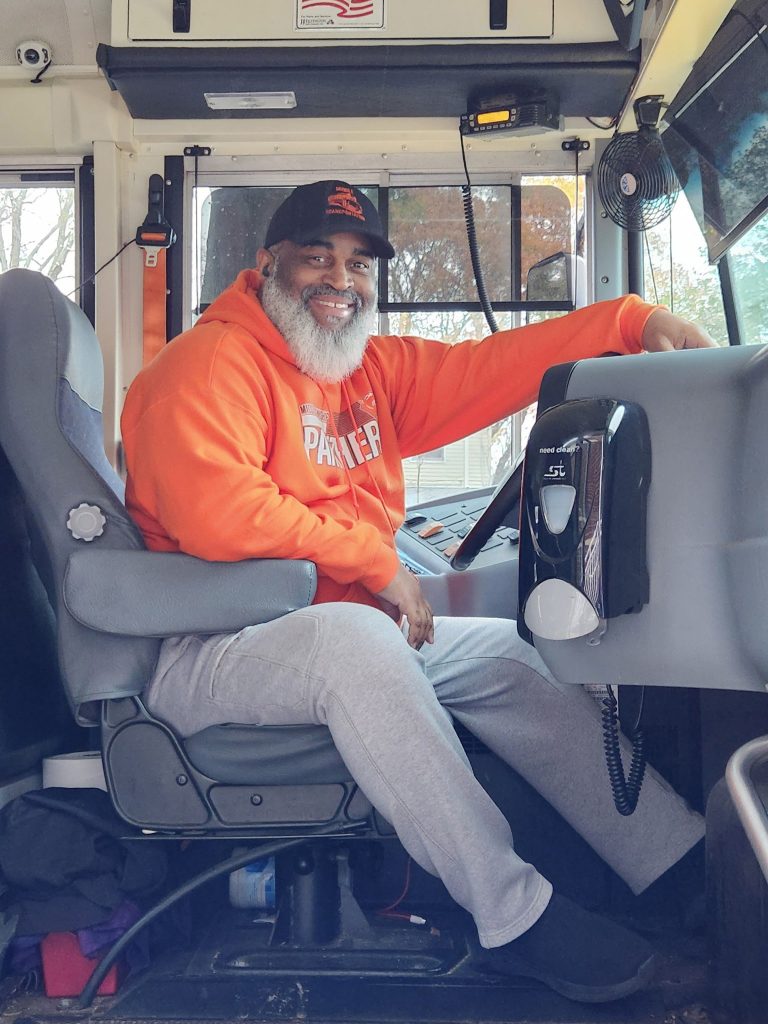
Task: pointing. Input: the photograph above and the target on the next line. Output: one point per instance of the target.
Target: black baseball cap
(327, 208)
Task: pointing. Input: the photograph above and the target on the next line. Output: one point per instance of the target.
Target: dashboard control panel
(431, 534)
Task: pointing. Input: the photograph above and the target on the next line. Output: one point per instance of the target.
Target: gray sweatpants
(389, 709)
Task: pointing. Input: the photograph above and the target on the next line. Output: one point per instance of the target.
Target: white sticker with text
(331, 15)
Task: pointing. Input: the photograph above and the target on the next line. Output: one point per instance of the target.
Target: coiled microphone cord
(625, 789)
(474, 251)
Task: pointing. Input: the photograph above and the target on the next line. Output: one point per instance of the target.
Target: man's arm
(201, 475)
(440, 393)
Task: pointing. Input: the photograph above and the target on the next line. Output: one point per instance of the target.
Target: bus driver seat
(114, 601)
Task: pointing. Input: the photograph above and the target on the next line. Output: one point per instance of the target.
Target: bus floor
(231, 969)
(209, 961)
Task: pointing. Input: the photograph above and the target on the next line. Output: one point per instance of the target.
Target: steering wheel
(503, 502)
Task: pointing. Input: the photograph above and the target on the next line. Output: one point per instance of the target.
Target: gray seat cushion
(267, 755)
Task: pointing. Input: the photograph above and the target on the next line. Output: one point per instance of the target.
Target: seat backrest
(51, 389)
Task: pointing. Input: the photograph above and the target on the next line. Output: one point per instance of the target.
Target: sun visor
(694, 457)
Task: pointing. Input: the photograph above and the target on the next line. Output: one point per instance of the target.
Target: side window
(678, 274)
(430, 292)
(37, 230)
(230, 224)
(748, 261)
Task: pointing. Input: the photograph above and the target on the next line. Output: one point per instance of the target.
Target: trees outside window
(37, 231)
(677, 272)
(749, 273)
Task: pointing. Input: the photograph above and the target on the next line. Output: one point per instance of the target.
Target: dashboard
(430, 536)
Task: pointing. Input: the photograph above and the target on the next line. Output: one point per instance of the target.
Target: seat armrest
(157, 594)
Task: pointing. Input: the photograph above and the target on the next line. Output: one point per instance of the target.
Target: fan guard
(635, 180)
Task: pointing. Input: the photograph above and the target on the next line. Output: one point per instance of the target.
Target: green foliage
(686, 282)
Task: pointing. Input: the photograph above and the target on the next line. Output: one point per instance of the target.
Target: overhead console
(282, 20)
(359, 58)
(676, 594)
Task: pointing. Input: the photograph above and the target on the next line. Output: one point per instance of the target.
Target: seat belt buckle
(155, 233)
(152, 238)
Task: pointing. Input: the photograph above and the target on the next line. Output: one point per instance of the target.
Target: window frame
(407, 169)
(518, 305)
(66, 173)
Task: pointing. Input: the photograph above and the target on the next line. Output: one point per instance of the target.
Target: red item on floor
(66, 970)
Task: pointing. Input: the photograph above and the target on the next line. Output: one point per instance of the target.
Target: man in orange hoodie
(276, 428)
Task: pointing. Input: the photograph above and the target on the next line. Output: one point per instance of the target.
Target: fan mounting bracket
(575, 145)
(648, 110)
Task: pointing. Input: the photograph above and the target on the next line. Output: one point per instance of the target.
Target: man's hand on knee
(404, 593)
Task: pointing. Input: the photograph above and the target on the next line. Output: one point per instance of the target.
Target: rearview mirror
(553, 279)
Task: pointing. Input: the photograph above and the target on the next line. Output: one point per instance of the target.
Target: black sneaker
(581, 955)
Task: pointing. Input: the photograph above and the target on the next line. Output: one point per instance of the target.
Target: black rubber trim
(635, 268)
(87, 238)
(174, 214)
(730, 307)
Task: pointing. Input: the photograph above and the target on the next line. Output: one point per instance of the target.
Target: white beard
(321, 353)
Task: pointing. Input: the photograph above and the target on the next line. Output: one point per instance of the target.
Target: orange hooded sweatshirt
(233, 453)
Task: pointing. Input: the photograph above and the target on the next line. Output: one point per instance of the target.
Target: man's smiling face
(321, 296)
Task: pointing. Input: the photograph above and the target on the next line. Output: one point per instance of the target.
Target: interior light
(250, 100)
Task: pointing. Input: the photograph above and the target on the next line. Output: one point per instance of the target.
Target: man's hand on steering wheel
(665, 332)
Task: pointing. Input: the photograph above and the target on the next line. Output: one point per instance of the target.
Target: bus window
(748, 261)
(430, 292)
(678, 274)
(227, 225)
(37, 227)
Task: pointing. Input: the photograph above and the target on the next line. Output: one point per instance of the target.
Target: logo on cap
(345, 201)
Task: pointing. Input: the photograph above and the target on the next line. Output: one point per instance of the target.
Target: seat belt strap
(155, 235)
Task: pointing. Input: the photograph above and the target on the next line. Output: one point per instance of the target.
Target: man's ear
(265, 262)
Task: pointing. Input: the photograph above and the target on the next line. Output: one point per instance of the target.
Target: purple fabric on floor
(93, 940)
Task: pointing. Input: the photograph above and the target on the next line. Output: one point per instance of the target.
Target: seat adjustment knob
(86, 522)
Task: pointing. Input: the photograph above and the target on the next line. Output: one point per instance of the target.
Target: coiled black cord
(474, 252)
(626, 790)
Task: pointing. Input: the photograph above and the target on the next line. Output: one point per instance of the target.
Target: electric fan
(635, 179)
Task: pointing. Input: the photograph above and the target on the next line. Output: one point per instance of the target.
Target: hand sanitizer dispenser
(583, 519)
